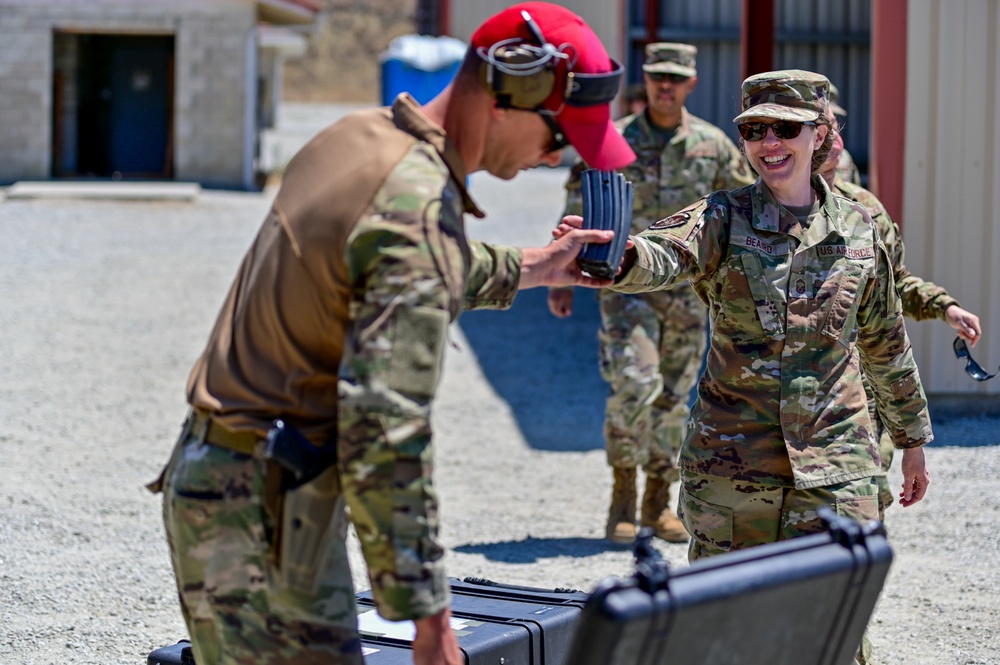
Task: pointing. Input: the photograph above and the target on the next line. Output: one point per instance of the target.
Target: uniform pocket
(763, 298)
(858, 508)
(708, 523)
(840, 319)
(418, 347)
(215, 524)
(739, 318)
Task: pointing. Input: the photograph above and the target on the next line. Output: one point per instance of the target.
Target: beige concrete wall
(951, 220)
(25, 94)
(209, 89)
(210, 105)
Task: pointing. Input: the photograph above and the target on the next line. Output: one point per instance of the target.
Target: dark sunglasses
(972, 368)
(660, 77)
(783, 129)
(559, 140)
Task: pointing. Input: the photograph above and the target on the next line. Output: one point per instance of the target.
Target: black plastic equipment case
(804, 601)
(175, 654)
(497, 623)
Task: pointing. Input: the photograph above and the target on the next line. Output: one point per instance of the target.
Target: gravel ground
(105, 305)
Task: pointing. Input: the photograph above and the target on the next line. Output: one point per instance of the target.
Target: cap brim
(838, 109)
(778, 112)
(599, 145)
(670, 68)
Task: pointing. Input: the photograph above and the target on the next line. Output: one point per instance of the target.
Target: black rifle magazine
(607, 206)
(494, 623)
(804, 601)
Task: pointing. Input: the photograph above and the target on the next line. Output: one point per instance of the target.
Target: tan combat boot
(621, 516)
(656, 512)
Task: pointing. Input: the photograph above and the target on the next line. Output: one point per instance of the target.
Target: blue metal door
(140, 105)
(125, 113)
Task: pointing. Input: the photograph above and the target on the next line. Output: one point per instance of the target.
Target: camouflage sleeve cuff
(942, 304)
(902, 441)
(414, 600)
(655, 267)
(494, 275)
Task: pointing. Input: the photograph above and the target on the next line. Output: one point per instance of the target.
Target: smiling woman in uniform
(800, 297)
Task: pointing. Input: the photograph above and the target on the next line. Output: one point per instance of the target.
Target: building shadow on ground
(963, 431)
(545, 368)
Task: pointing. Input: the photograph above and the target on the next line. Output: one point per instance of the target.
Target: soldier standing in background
(335, 327)
(921, 299)
(635, 98)
(846, 169)
(651, 345)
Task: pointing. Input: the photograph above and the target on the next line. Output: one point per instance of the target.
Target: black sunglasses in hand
(972, 368)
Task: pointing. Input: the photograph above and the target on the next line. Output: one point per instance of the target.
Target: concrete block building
(141, 89)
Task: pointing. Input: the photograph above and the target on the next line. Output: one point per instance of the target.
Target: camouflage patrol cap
(791, 94)
(837, 109)
(671, 58)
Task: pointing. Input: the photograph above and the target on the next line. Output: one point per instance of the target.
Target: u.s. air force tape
(607, 206)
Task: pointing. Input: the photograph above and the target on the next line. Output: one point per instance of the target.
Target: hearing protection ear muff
(522, 75)
(502, 76)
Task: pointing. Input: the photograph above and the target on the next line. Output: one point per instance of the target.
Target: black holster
(304, 492)
(298, 456)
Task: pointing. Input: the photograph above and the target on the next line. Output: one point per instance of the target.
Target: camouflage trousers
(235, 603)
(723, 515)
(651, 349)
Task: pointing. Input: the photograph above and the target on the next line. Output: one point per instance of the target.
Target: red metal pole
(652, 21)
(888, 127)
(757, 36)
(444, 17)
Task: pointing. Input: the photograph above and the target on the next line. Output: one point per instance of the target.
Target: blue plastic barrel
(420, 65)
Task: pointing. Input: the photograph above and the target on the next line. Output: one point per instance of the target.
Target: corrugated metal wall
(827, 37)
(952, 176)
(714, 27)
(832, 38)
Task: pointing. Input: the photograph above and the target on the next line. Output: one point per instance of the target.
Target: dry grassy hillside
(341, 63)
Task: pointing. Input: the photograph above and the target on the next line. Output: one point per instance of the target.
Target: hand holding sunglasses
(972, 368)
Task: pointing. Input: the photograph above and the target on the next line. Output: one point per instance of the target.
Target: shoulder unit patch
(680, 219)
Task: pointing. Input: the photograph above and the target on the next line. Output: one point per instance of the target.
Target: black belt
(202, 426)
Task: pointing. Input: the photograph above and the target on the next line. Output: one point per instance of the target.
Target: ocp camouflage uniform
(847, 170)
(363, 259)
(921, 300)
(651, 345)
(795, 313)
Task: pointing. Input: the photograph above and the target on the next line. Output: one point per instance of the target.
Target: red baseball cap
(581, 109)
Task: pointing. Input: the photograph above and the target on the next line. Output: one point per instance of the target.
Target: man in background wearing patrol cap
(331, 341)
(651, 345)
